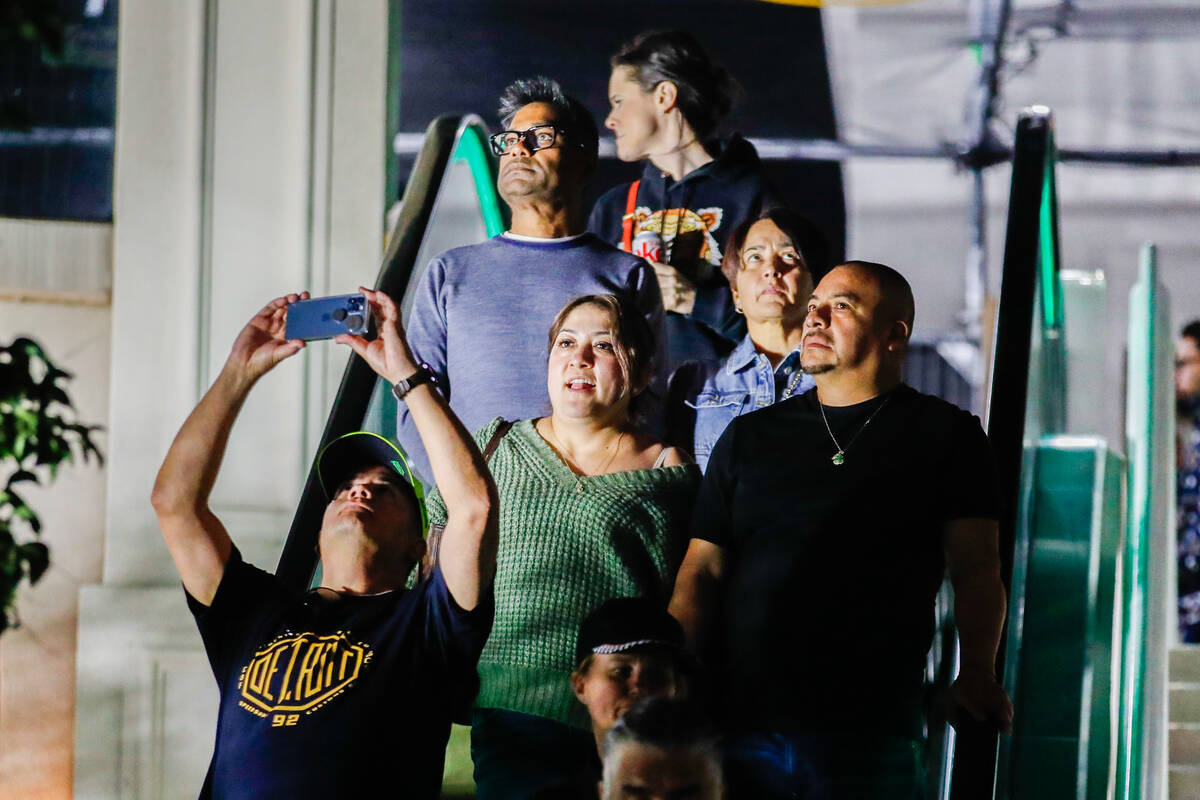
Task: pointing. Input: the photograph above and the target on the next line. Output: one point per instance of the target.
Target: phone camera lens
(354, 321)
(339, 314)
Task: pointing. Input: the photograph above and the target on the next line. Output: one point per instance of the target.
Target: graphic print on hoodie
(693, 217)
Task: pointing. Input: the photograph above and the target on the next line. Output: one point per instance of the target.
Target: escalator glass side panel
(1053, 387)
(1150, 442)
(1048, 244)
(1085, 302)
(1016, 382)
(1015, 619)
(1062, 737)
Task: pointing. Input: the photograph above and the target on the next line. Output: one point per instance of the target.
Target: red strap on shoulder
(627, 220)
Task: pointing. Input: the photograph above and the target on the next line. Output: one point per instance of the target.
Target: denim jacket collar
(745, 355)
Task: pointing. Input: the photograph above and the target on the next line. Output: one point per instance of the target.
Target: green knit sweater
(567, 544)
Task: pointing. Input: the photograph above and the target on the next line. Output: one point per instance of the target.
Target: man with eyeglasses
(1187, 403)
(481, 312)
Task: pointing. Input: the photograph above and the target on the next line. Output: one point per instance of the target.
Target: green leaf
(36, 556)
(54, 394)
(38, 426)
(12, 498)
(29, 347)
(26, 513)
(22, 476)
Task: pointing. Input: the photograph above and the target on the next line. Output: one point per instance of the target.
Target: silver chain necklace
(839, 457)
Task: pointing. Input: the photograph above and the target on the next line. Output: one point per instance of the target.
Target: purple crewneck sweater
(481, 315)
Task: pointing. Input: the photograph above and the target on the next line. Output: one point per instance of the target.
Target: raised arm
(468, 549)
(198, 542)
(973, 560)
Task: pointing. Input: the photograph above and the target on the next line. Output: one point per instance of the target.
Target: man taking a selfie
(347, 690)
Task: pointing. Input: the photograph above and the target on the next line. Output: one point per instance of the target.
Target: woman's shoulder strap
(662, 456)
(494, 442)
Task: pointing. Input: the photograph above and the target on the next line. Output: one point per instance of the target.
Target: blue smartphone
(326, 317)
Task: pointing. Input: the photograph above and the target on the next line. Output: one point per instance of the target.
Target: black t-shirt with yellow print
(334, 698)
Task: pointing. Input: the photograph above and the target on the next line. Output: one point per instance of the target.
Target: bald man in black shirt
(824, 527)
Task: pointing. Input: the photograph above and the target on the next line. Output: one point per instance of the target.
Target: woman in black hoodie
(667, 98)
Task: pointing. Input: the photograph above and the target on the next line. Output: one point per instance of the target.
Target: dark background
(57, 100)
(456, 56)
(58, 81)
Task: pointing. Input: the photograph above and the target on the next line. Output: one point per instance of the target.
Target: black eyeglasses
(539, 137)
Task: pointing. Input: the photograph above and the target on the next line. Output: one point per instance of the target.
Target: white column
(249, 163)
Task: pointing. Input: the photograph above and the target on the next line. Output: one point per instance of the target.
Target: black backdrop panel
(456, 56)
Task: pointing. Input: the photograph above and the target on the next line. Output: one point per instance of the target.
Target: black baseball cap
(351, 453)
(630, 623)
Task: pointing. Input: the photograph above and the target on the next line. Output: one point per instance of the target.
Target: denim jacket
(743, 383)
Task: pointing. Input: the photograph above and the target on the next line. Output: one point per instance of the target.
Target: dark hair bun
(705, 90)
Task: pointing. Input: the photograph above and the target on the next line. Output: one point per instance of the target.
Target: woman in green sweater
(591, 508)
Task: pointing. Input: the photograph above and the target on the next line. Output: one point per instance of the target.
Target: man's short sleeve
(968, 473)
(712, 520)
(459, 634)
(243, 596)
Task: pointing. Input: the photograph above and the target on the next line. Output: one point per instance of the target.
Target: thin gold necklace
(571, 460)
(839, 457)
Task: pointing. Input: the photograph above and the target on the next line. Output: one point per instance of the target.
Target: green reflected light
(1052, 303)
(471, 149)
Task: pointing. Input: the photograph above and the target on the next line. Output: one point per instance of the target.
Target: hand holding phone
(327, 317)
(388, 354)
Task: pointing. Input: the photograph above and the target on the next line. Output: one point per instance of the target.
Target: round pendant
(839, 458)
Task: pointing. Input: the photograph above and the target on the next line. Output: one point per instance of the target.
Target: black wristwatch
(422, 375)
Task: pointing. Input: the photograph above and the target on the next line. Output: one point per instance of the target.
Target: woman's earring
(738, 309)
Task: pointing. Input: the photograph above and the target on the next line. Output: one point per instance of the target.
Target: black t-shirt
(827, 611)
(350, 697)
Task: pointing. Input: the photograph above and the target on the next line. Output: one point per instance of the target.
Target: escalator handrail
(974, 775)
(298, 560)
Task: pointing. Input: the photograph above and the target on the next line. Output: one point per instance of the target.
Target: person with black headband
(629, 649)
(823, 528)
(347, 690)
(668, 97)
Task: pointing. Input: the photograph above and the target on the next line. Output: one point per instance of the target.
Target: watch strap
(422, 375)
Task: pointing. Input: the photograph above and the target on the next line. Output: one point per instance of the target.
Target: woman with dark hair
(591, 508)
(771, 264)
(667, 98)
